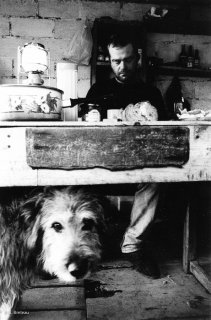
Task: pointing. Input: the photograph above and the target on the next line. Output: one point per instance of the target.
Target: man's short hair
(122, 39)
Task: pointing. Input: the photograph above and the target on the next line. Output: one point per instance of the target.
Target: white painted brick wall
(203, 104)
(8, 80)
(133, 11)
(32, 27)
(203, 90)
(66, 28)
(76, 9)
(6, 67)
(188, 85)
(92, 9)
(58, 47)
(18, 8)
(59, 9)
(4, 27)
(9, 45)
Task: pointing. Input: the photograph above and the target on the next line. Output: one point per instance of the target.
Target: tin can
(93, 116)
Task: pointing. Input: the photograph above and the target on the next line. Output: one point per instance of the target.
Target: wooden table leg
(189, 239)
(190, 263)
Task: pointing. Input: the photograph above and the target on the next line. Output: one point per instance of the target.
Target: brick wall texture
(54, 23)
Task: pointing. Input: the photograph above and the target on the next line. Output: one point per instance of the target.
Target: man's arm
(94, 91)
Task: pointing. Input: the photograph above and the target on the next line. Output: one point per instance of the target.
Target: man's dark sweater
(126, 93)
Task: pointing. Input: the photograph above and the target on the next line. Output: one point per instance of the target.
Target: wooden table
(64, 153)
(15, 171)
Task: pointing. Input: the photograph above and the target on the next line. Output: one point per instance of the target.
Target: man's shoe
(144, 263)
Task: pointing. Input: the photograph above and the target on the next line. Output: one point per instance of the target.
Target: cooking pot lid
(31, 86)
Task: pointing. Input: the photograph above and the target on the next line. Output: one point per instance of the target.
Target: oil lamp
(33, 60)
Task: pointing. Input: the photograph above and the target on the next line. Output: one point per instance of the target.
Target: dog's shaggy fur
(56, 230)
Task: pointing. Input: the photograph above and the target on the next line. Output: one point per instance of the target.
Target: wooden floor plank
(48, 298)
(55, 283)
(121, 293)
(52, 315)
(200, 275)
(51, 299)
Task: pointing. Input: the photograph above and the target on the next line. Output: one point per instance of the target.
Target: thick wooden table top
(26, 149)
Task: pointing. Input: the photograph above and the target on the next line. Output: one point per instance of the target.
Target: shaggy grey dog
(56, 230)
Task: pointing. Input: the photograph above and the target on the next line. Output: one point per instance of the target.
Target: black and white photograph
(105, 159)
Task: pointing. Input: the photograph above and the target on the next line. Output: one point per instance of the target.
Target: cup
(114, 114)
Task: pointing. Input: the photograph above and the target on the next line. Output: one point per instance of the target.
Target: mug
(114, 114)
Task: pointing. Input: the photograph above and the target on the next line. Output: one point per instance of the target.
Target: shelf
(160, 2)
(179, 27)
(173, 70)
(103, 63)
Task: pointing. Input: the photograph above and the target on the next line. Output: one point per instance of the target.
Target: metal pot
(28, 102)
(31, 102)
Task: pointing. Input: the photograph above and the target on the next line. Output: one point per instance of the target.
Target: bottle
(183, 56)
(190, 59)
(107, 59)
(175, 100)
(196, 59)
(179, 105)
(140, 53)
(100, 54)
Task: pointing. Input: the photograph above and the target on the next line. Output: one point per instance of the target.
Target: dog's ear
(33, 233)
(49, 190)
(103, 213)
(30, 208)
(30, 217)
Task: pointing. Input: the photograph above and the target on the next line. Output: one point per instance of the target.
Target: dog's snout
(78, 269)
(77, 273)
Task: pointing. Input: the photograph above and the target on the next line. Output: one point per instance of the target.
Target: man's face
(124, 62)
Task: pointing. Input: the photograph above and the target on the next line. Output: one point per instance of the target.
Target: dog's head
(64, 226)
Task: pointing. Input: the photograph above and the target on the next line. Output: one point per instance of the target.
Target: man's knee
(148, 187)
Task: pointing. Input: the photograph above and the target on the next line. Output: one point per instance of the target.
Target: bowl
(30, 102)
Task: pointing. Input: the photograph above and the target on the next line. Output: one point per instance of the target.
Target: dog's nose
(80, 269)
(77, 273)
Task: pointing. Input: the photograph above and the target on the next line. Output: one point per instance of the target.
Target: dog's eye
(88, 224)
(57, 226)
